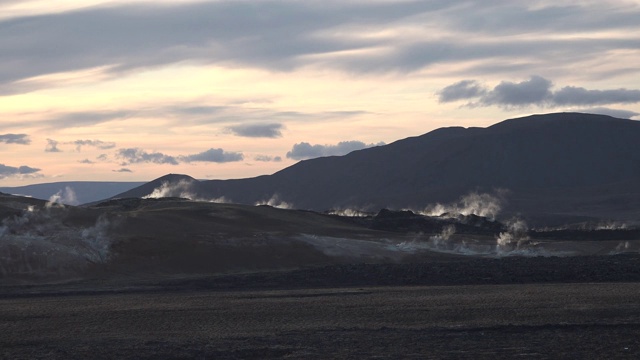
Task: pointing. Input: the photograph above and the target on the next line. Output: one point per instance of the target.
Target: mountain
(553, 165)
(73, 192)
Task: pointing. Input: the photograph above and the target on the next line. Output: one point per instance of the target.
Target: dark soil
(464, 271)
(578, 307)
(583, 321)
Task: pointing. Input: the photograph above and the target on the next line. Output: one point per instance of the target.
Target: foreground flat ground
(578, 321)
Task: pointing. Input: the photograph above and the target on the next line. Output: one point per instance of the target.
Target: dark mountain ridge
(562, 164)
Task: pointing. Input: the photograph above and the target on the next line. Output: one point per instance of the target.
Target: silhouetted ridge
(565, 164)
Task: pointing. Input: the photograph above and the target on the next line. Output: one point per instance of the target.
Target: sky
(131, 90)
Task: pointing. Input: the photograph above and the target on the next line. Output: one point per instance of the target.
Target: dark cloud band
(137, 156)
(213, 155)
(536, 91)
(22, 139)
(11, 171)
(257, 130)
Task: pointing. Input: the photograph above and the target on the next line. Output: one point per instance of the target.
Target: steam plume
(38, 243)
(348, 212)
(484, 205)
(276, 202)
(442, 239)
(65, 196)
(181, 189)
(514, 238)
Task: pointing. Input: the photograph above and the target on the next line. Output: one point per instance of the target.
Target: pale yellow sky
(251, 80)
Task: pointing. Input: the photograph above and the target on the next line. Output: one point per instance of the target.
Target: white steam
(38, 243)
(97, 240)
(513, 242)
(515, 238)
(348, 212)
(65, 196)
(444, 243)
(442, 239)
(352, 248)
(484, 205)
(181, 189)
(276, 202)
(623, 247)
(611, 225)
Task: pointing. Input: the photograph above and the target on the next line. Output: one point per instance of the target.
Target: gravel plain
(338, 312)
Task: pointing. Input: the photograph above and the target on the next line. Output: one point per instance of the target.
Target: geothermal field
(170, 277)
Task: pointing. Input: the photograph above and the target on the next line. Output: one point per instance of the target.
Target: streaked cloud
(244, 121)
(93, 143)
(81, 119)
(287, 35)
(305, 150)
(123, 170)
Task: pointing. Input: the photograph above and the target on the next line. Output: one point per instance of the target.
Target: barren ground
(218, 281)
(336, 312)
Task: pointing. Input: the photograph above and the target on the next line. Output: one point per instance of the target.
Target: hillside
(569, 166)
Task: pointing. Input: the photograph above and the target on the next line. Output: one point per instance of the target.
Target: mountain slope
(561, 164)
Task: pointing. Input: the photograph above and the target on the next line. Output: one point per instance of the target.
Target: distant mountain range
(552, 168)
(73, 192)
(562, 165)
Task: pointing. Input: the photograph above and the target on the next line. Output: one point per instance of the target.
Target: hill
(568, 166)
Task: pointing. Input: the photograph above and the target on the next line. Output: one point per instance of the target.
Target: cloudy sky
(132, 90)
